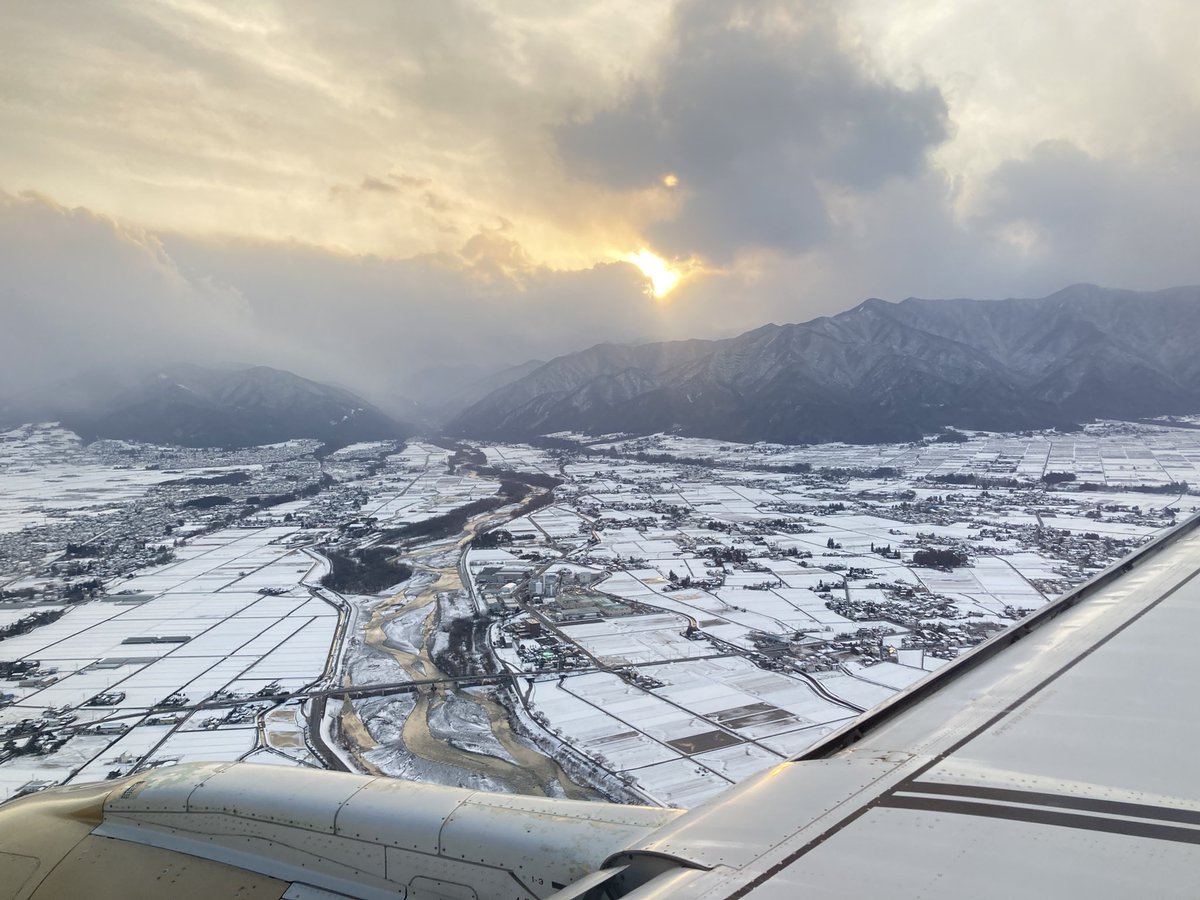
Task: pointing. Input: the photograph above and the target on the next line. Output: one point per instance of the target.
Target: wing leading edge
(1056, 760)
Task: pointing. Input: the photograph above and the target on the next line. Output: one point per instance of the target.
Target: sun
(663, 278)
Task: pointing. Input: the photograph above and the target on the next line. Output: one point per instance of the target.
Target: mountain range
(204, 407)
(878, 372)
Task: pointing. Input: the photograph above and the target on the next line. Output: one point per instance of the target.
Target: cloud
(1115, 80)
(291, 184)
(372, 322)
(1121, 221)
(79, 289)
(409, 181)
(260, 121)
(756, 108)
(375, 184)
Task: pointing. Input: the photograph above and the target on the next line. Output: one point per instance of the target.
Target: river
(533, 771)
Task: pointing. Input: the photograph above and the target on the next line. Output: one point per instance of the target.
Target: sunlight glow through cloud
(662, 277)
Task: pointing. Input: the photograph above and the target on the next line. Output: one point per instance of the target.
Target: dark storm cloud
(756, 106)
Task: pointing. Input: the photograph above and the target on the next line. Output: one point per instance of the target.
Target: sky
(363, 190)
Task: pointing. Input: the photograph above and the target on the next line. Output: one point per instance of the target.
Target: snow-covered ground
(673, 628)
(228, 617)
(765, 608)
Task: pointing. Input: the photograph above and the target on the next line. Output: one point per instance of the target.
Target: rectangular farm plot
(636, 639)
(681, 782)
(595, 731)
(747, 696)
(738, 762)
(704, 740)
(202, 746)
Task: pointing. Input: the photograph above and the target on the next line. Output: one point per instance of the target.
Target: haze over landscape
(357, 194)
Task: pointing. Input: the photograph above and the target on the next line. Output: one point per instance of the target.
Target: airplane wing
(1057, 759)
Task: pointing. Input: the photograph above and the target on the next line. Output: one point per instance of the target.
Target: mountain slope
(881, 371)
(195, 406)
(445, 391)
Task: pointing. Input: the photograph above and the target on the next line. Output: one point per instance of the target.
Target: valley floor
(674, 616)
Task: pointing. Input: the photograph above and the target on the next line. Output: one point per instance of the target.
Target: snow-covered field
(729, 565)
(671, 628)
(196, 628)
(45, 477)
